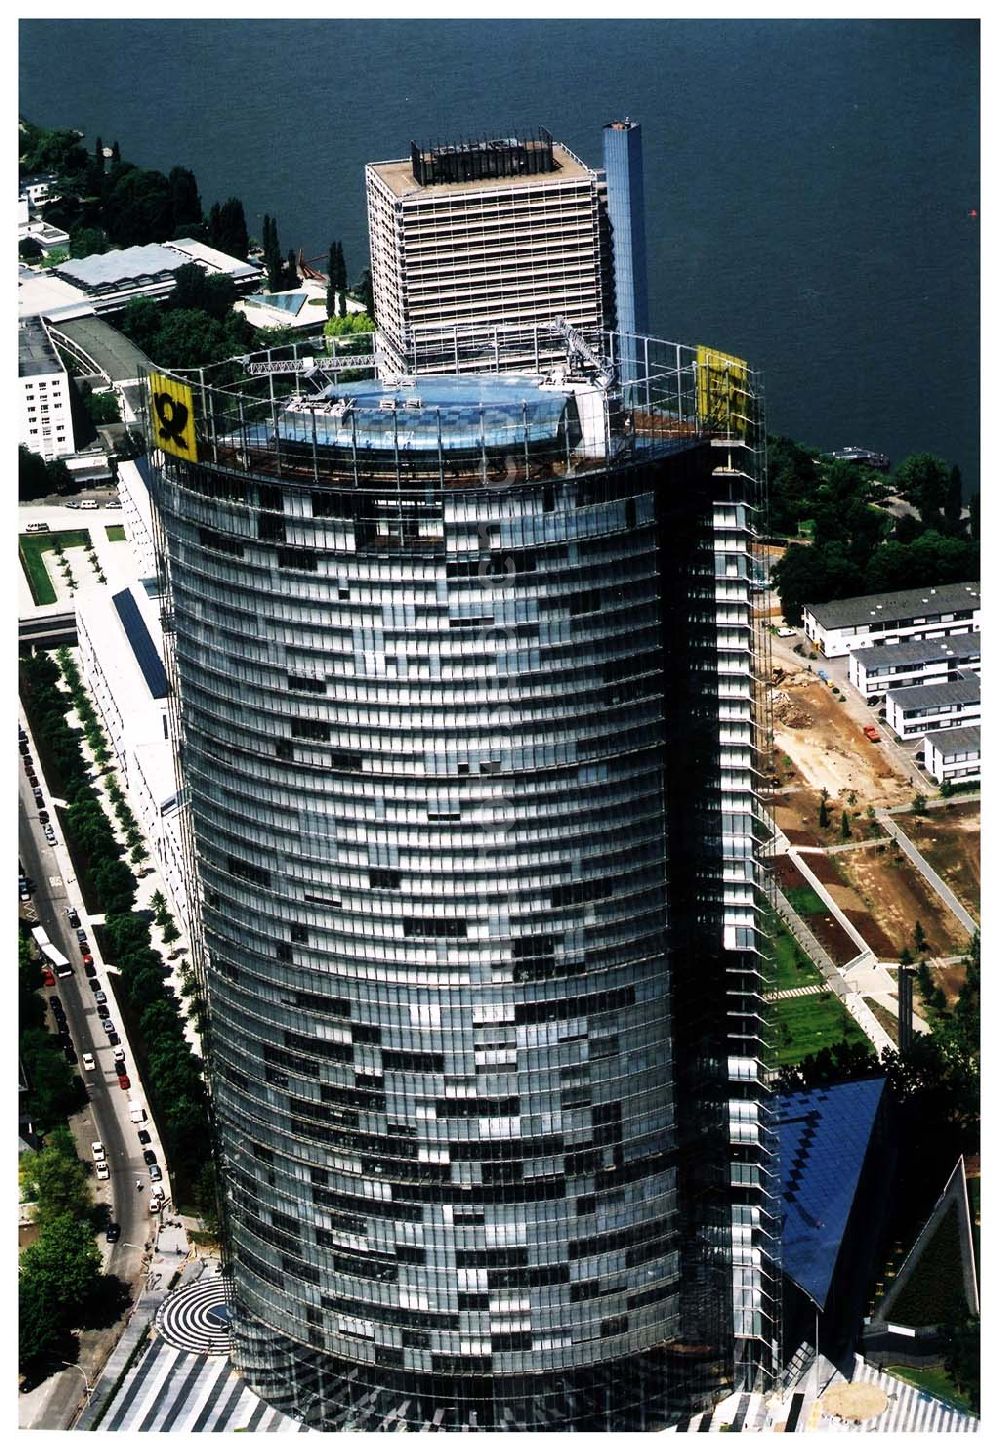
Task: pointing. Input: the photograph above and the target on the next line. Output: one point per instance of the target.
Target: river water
(810, 185)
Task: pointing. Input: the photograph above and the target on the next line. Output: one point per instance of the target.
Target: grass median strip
(31, 549)
(804, 1025)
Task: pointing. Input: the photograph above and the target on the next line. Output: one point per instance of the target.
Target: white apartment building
(953, 756)
(874, 671)
(137, 514)
(475, 244)
(840, 627)
(913, 711)
(46, 425)
(121, 643)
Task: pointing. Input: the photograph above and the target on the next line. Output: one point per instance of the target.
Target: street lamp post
(86, 1382)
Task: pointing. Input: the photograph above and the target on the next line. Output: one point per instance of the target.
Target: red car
(88, 962)
(47, 976)
(871, 733)
(124, 1082)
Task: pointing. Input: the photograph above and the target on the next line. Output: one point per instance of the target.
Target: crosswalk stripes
(174, 1391)
(910, 1410)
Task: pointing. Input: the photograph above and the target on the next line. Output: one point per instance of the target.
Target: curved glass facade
(448, 800)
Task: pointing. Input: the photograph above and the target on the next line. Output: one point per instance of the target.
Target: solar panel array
(143, 647)
(823, 1139)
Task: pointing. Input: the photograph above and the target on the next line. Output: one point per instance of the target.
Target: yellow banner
(723, 390)
(172, 412)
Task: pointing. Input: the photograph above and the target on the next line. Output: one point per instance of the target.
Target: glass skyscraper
(627, 215)
(467, 716)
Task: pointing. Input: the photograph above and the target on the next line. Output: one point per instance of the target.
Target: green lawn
(31, 548)
(809, 1023)
(934, 1380)
(792, 966)
(115, 532)
(804, 900)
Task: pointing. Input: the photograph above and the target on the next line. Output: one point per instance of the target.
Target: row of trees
(54, 1092)
(37, 477)
(156, 1025)
(857, 546)
(60, 1284)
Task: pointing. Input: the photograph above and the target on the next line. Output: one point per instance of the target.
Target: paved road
(105, 1118)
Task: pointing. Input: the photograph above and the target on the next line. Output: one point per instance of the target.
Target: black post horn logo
(173, 416)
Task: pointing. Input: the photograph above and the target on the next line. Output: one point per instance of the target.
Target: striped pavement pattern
(910, 1411)
(174, 1390)
(796, 991)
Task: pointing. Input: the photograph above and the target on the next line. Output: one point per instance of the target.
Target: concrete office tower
(468, 722)
(627, 215)
(500, 235)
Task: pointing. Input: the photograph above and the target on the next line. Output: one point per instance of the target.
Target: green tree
(64, 1262)
(919, 937)
(212, 293)
(29, 249)
(845, 825)
(139, 207)
(926, 482)
(56, 1176)
(227, 228)
(32, 477)
(272, 253)
(158, 904)
(919, 804)
(85, 242)
(114, 884)
(171, 934)
(185, 204)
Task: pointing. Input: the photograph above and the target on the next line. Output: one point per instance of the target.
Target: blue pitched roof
(823, 1137)
(141, 643)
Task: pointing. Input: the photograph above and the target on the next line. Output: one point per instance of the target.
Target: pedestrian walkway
(174, 1391)
(934, 879)
(798, 990)
(909, 1410)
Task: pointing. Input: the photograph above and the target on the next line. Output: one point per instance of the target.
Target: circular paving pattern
(196, 1318)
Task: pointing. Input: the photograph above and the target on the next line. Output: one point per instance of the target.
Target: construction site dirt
(827, 746)
(948, 838)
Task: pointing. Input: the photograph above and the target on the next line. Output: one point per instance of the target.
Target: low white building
(913, 711)
(46, 423)
(121, 661)
(137, 513)
(874, 671)
(840, 627)
(953, 756)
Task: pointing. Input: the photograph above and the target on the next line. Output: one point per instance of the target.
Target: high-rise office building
(474, 245)
(627, 217)
(468, 722)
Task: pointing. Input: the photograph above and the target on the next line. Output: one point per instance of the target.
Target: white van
(89, 505)
(135, 1111)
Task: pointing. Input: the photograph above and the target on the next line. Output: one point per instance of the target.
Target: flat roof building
(480, 246)
(842, 626)
(876, 670)
(46, 421)
(111, 279)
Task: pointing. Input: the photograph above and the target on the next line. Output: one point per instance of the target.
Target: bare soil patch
(787, 874)
(896, 896)
(875, 936)
(829, 749)
(949, 839)
(824, 866)
(833, 937)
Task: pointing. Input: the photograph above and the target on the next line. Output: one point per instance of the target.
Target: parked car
(35, 527)
(103, 1171)
(123, 1081)
(56, 1005)
(89, 1064)
(50, 834)
(70, 1053)
(871, 733)
(43, 816)
(149, 1157)
(113, 505)
(155, 1175)
(156, 1201)
(88, 960)
(104, 1013)
(136, 1112)
(97, 1151)
(109, 1027)
(73, 917)
(112, 1232)
(93, 982)
(144, 1136)
(119, 1054)
(113, 1037)
(100, 997)
(48, 977)
(89, 505)
(81, 936)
